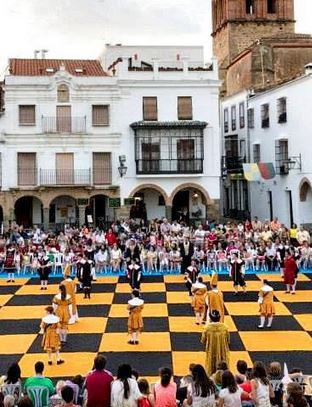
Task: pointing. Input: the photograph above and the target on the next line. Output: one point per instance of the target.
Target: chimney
(308, 69)
(36, 52)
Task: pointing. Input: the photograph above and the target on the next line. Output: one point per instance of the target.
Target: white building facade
(84, 142)
(235, 152)
(281, 134)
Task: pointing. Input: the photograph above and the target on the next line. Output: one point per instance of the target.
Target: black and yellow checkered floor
(170, 337)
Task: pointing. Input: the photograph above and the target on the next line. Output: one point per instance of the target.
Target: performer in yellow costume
(199, 291)
(70, 286)
(135, 320)
(216, 339)
(214, 301)
(51, 340)
(62, 305)
(266, 302)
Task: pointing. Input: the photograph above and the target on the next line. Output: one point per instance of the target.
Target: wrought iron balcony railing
(177, 166)
(67, 124)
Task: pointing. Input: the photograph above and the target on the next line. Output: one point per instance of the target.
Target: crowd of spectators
(247, 387)
(162, 246)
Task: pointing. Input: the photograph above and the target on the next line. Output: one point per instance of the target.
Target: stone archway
(150, 202)
(28, 210)
(63, 210)
(190, 203)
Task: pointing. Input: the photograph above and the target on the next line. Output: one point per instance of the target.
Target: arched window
(63, 93)
(304, 191)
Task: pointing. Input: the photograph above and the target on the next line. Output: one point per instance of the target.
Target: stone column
(168, 212)
(82, 214)
(46, 218)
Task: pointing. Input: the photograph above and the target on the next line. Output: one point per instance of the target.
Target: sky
(81, 28)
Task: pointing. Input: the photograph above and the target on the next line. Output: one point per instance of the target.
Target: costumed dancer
(134, 275)
(237, 272)
(70, 286)
(85, 276)
(191, 275)
(51, 340)
(135, 320)
(62, 305)
(266, 302)
(216, 339)
(9, 263)
(290, 272)
(199, 290)
(44, 270)
(214, 301)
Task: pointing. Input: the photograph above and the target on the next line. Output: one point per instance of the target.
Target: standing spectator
(165, 390)
(261, 390)
(39, 381)
(98, 384)
(216, 339)
(125, 391)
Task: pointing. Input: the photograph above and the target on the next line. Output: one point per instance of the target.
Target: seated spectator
(76, 383)
(68, 397)
(261, 389)
(246, 387)
(57, 397)
(241, 367)
(125, 390)
(98, 384)
(202, 392)
(13, 375)
(39, 381)
(9, 401)
(217, 376)
(295, 396)
(275, 377)
(230, 395)
(182, 389)
(165, 390)
(148, 398)
(25, 402)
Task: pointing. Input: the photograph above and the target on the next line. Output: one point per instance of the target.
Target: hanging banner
(251, 172)
(267, 170)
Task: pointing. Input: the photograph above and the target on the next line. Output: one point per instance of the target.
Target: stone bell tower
(236, 24)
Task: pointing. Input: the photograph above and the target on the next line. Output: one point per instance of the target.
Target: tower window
(250, 6)
(271, 6)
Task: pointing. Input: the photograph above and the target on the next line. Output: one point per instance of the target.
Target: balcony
(180, 166)
(62, 177)
(233, 163)
(66, 124)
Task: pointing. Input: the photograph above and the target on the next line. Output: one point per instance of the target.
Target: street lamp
(294, 163)
(122, 167)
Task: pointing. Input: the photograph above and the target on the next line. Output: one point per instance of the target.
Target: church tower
(236, 24)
